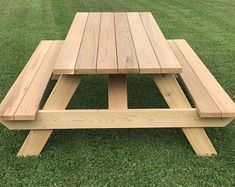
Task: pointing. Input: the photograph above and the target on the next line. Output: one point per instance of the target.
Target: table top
(115, 43)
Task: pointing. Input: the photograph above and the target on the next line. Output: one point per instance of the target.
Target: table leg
(58, 99)
(117, 91)
(175, 98)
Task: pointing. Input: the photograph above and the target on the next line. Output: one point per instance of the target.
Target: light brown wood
(30, 103)
(34, 142)
(115, 43)
(58, 99)
(62, 92)
(87, 56)
(17, 92)
(175, 98)
(68, 56)
(107, 57)
(166, 58)
(210, 85)
(148, 62)
(117, 118)
(205, 105)
(127, 60)
(117, 92)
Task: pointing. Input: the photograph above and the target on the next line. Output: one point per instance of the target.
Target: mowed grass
(119, 157)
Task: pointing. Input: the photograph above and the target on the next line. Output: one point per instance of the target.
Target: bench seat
(209, 97)
(23, 99)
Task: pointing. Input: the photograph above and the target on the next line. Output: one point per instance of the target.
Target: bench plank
(107, 57)
(29, 106)
(68, 56)
(148, 62)
(210, 98)
(87, 55)
(165, 56)
(127, 60)
(195, 87)
(17, 92)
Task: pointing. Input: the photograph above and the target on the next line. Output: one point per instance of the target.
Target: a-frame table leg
(175, 98)
(58, 99)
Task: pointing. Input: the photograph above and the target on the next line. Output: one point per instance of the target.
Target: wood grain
(203, 101)
(18, 90)
(148, 62)
(117, 92)
(67, 58)
(87, 55)
(58, 99)
(166, 58)
(117, 118)
(115, 43)
(126, 55)
(175, 98)
(30, 103)
(107, 57)
(214, 89)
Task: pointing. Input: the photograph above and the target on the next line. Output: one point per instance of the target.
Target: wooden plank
(203, 101)
(58, 99)
(120, 118)
(175, 98)
(107, 57)
(217, 93)
(126, 55)
(67, 58)
(117, 90)
(15, 95)
(148, 62)
(87, 56)
(171, 90)
(30, 103)
(62, 92)
(166, 58)
(34, 142)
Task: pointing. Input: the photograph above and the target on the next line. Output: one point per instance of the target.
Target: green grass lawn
(131, 157)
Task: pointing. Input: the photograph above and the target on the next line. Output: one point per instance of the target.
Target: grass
(132, 157)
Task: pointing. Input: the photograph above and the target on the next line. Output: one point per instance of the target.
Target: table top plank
(87, 56)
(166, 58)
(107, 57)
(127, 60)
(148, 62)
(68, 56)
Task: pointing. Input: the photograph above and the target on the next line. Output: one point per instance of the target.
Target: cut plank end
(229, 114)
(6, 118)
(25, 118)
(150, 70)
(63, 71)
(172, 70)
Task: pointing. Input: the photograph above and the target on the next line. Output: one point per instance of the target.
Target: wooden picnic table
(115, 44)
